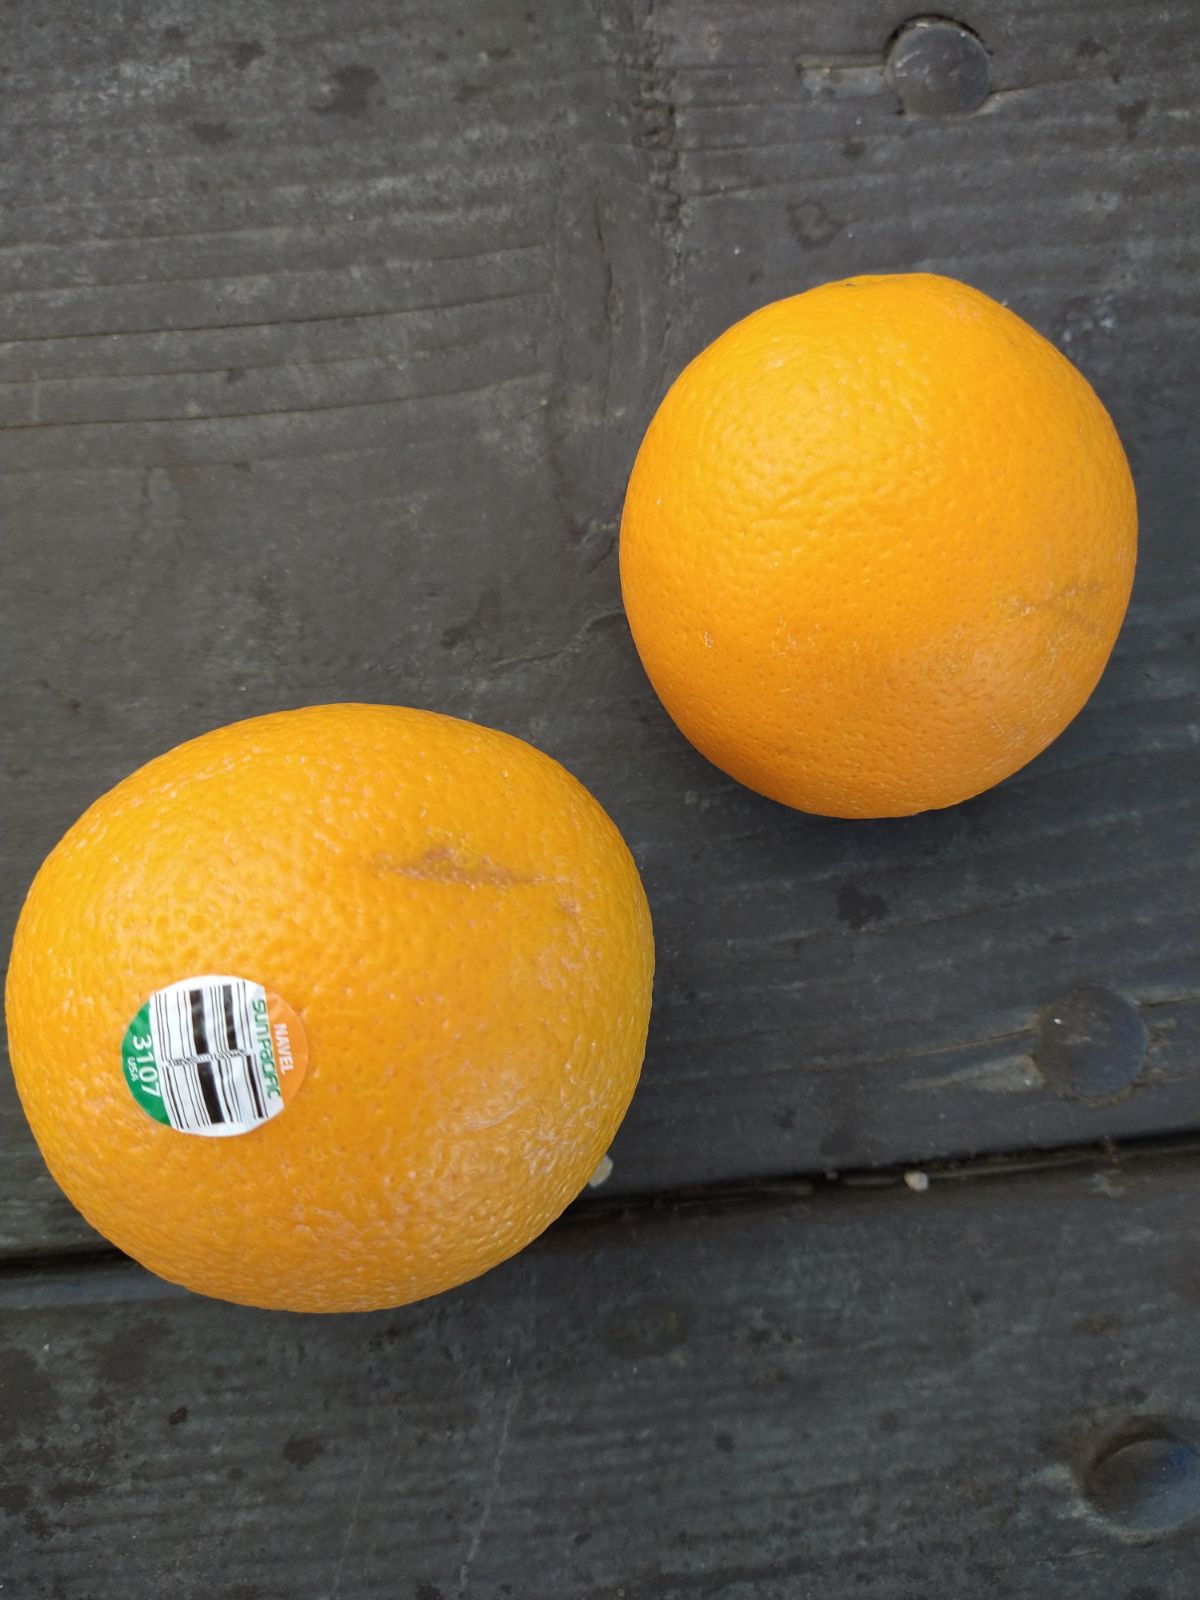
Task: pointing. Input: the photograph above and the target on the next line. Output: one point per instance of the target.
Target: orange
(450, 928)
(877, 545)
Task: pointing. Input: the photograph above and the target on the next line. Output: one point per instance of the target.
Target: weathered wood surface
(327, 334)
(891, 1397)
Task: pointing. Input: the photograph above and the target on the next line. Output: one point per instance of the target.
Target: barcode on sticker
(216, 1064)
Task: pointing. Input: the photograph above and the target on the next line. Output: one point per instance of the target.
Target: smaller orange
(331, 1009)
(877, 546)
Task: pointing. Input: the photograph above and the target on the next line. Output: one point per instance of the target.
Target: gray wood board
(329, 333)
(877, 1394)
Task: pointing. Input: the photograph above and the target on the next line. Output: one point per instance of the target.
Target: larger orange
(877, 546)
(450, 928)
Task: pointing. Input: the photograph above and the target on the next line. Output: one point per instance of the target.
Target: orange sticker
(215, 1056)
(289, 1043)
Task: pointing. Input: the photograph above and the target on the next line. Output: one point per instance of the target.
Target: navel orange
(877, 545)
(334, 1008)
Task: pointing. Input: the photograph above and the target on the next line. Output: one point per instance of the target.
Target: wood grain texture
(327, 335)
(849, 1395)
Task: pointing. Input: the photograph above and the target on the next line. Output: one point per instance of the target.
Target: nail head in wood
(1090, 1044)
(937, 68)
(1146, 1480)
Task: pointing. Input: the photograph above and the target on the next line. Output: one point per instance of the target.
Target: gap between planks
(1105, 1156)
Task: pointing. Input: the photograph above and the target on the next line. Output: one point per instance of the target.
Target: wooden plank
(879, 1394)
(329, 334)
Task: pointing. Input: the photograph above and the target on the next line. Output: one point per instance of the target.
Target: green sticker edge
(141, 1067)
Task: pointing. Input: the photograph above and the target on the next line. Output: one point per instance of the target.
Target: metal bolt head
(1090, 1044)
(937, 68)
(1146, 1480)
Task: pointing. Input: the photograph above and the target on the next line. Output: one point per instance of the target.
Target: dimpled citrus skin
(877, 546)
(461, 930)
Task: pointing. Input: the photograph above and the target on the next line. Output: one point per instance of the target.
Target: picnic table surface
(328, 333)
